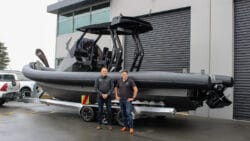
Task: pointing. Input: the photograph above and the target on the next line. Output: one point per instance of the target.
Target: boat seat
(106, 57)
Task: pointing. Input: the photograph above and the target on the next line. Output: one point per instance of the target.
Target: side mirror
(13, 83)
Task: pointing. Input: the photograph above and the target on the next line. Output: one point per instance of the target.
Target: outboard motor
(216, 97)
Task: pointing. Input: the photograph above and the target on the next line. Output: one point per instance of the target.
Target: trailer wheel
(105, 117)
(87, 114)
(2, 101)
(118, 118)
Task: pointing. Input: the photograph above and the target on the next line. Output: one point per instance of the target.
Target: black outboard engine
(216, 97)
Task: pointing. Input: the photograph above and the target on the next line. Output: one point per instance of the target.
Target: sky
(25, 26)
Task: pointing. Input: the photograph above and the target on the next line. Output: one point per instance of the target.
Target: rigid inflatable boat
(79, 69)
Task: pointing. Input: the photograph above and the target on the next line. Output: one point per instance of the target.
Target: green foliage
(4, 59)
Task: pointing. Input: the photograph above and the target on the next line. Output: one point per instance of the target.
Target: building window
(100, 16)
(68, 23)
(65, 24)
(81, 18)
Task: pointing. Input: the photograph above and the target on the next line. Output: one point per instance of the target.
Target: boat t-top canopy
(131, 25)
(123, 26)
(102, 28)
(120, 25)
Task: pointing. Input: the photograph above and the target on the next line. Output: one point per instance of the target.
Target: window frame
(91, 8)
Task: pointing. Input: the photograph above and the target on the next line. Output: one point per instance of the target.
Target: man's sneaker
(98, 127)
(110, 127)
(124, 129)
(131, 131)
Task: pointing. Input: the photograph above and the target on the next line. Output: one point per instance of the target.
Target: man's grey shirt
(104, 85)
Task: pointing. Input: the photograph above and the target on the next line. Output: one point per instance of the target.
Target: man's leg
(129, 116)
(124, 115)
(109, 111)
(100, 112)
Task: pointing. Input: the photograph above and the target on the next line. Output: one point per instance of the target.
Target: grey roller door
(167, 47)
(242, 60)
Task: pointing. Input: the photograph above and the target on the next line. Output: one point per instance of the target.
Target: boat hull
(177, 98)
(183, 91)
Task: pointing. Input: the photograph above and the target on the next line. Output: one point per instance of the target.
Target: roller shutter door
(167, 47)
(242, 59)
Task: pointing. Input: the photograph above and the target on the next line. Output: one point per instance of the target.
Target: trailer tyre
(2, 101)
(87, 114)
(118, 118)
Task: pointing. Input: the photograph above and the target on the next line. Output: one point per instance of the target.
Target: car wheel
(25, 92)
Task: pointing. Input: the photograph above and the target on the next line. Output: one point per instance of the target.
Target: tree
(4, 59)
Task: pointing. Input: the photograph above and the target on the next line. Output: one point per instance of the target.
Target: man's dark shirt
(104, 85)
(125, 88)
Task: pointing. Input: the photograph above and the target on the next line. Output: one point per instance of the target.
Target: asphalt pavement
(38, 122)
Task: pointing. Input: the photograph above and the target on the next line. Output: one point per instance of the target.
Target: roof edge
(67, 5)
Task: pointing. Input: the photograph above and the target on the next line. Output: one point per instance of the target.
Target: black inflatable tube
(152, 79)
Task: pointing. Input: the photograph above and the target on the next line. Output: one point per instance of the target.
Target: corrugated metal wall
(242, 59)
(167, 47)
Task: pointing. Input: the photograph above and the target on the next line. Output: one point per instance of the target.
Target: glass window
(101, 15)
(68, 23)
(21, 77)
(65, 24)
(8, 77)
(81, 18)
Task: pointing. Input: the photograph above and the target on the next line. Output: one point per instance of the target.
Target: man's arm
(111, 87)
(116, 93)
(135, 92)
(97, 87)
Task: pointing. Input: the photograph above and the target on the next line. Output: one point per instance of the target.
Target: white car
(9, 87)
(28, 88)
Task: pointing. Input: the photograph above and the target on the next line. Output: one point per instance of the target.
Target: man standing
(104, 87)
(126, 92)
